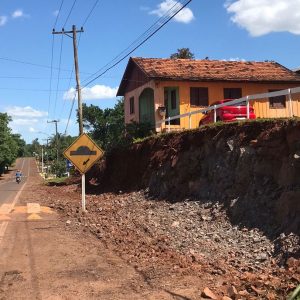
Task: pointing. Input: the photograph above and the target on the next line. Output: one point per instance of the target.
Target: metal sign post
(83, 192)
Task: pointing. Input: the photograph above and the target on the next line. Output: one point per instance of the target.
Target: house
(182, 85)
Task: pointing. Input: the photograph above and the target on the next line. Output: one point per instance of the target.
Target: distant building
(181, 85)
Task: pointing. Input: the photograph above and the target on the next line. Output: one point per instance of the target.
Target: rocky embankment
(186, 244)
(252, 169)
(219, 205)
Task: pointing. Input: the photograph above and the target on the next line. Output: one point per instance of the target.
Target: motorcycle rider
(18, 175)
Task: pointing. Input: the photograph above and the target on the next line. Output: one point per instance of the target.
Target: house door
(172, 104)
(146, 105)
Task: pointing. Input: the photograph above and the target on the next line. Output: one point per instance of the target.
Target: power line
(73, 100)
(51, 71)
(31, 78)
(70, 13)
(159, 21)
(78, 89)
(58, 75)
(70, 79)
(90, 13)
(37, 65)
(52, 51)
(61, 4)
(71, 110)
(29, 90)
(169, 18)
(60, 90)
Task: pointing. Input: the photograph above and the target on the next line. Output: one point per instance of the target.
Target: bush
(59, 168)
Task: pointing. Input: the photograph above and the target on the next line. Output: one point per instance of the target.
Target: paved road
(10, 191)
(8, 187)
(41, 257)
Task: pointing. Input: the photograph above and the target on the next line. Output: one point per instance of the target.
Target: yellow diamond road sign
(83, 153)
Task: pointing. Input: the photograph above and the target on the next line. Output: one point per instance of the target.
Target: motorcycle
(18, 180)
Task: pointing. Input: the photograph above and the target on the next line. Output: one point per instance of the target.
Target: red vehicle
(230, 113)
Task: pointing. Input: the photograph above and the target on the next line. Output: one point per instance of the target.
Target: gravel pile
(186, 238)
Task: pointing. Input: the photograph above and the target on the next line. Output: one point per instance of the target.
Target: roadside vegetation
(107, 126)
(11, 145)
(56, 181)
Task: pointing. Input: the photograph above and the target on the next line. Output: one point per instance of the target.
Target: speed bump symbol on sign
(83, 153)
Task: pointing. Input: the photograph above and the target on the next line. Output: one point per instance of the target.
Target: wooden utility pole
(56, 137)
(74, 37)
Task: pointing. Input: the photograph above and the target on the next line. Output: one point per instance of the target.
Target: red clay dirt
(214, 208)
(185, 225)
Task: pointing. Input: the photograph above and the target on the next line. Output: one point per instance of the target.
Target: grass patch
(56, 181)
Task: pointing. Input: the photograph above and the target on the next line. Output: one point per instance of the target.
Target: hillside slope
(252, 169)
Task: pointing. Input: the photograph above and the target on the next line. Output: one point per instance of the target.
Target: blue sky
(238, 29)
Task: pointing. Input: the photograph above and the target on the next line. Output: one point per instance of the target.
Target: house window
(278, 101)
(199, 96)
(173, 99)
(232, 93)
(131, 105)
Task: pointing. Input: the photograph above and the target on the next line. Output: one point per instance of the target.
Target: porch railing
(247, 99)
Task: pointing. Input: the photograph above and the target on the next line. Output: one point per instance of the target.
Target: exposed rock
(207, 293)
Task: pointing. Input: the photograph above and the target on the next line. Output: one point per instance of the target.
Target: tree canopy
(11, 145)
(107, 126)
(183, 53)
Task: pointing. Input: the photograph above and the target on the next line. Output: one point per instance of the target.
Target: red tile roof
(217, 70)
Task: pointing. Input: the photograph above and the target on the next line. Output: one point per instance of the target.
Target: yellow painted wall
(215, 93)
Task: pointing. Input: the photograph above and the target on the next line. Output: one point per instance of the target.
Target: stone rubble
(160, 239)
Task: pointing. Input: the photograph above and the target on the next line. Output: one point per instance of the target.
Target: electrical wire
(67, 19)
(51, 72)
(52, 52)
(73, 100)
(70, 78)
(38, 65)
(159, 21)
(61, 4)
(30, 63)
(71, 110)
(29, 90)
(90, 13)
(169, 18)
(31, 78)
(58, 75)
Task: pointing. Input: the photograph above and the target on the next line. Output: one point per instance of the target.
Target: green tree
(21, 144)
(183, 53)
(34, 147)
(8, 145)
(106, 126)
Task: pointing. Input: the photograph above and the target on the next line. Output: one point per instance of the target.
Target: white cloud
(19, 14)
(260, 17)
(26, 119)
(31, 129)
(235, 59)
(3, 20)
(95, 92)
(169, 6)
(25, 112)
(55, 13)
(23, 121)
